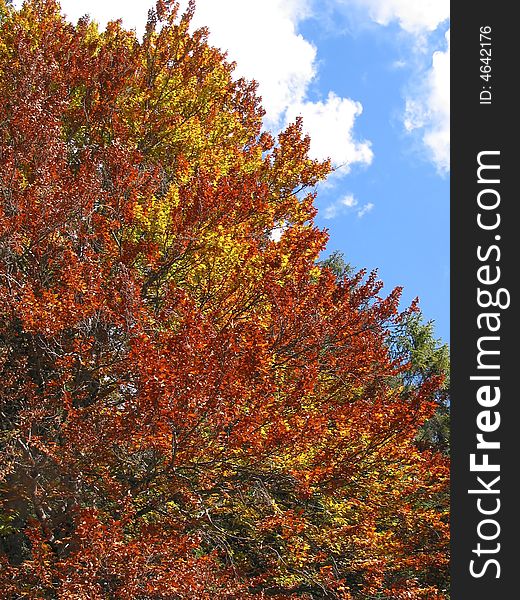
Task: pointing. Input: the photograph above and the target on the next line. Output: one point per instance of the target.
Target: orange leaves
(291, 167)
(192, 406)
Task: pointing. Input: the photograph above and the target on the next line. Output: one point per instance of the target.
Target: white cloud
(366, 208)
(349, 201)
(399, 64)
(330, 126)
(414, 16)
(134, 13)
(345, 205)
(262, 38)
(341, 206)
(277, 231)
(330, 211)
(428, 109)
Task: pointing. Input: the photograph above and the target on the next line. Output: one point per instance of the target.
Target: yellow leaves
(199, 376)
(92, 37)
(152, 215)
(299, 550)
(226, 246)
(291, 164)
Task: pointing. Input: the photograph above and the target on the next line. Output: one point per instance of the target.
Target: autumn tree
(411, 341)
(190, 407)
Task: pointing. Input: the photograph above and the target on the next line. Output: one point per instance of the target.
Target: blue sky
(405, 232)
(371, 80)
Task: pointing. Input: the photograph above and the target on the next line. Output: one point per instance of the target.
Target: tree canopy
(191, 408)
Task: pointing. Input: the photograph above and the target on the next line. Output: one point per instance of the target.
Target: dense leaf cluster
(190, 407)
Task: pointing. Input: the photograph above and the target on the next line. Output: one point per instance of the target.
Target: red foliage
(190, 409)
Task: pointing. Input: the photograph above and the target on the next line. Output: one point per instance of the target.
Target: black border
(478, 127)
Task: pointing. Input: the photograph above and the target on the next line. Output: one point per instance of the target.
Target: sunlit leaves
(192, 407)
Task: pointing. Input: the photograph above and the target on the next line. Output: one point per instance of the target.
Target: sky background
(371, 80)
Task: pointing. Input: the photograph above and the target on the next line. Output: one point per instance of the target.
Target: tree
(190, 409)
(337, 264)
(413, 342)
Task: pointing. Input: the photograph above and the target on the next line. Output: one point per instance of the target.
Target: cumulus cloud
(278, 230)
(413, 16)
(349, 201)
(345, 205)
(427, 105)
(330, 125)
(263, 39)
(428, 109)
(134, 13)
